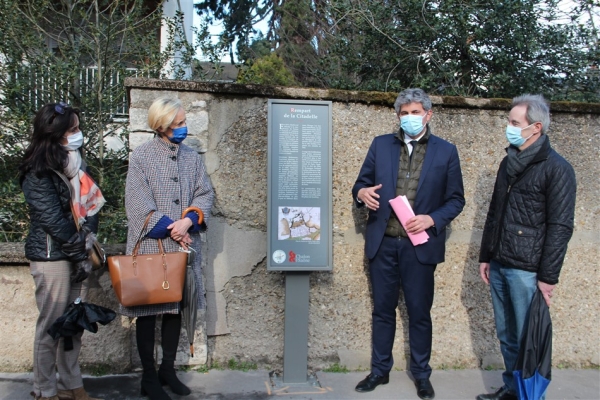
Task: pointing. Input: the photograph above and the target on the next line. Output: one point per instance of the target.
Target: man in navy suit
(426, 169)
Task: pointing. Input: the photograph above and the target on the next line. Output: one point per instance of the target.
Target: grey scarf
(517, 160)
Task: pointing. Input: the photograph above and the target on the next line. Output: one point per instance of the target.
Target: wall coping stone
(13, 253)
(354, 96)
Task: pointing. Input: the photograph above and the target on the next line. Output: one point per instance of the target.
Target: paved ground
(256, 385)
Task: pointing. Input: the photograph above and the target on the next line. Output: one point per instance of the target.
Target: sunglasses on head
(59, 108)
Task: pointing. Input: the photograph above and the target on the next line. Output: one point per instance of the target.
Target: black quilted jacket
(51, 219)
(530, 222)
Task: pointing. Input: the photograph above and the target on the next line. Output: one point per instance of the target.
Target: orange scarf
(86, 196)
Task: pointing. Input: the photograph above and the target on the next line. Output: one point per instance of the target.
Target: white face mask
(74, 141)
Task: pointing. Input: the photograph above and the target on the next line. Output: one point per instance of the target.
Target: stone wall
(244, 319)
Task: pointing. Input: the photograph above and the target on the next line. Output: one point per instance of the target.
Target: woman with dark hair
(167, 178)
(63, 205)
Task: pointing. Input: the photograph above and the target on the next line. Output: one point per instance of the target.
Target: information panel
(299, 222)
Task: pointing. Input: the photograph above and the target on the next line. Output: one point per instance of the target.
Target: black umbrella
(532, 370)
(189, 301)
(77, 317)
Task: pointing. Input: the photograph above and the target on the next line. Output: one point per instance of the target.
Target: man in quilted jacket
(527, 229)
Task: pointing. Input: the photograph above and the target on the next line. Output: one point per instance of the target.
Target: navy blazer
(440, 192)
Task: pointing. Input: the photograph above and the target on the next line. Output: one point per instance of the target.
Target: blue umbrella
(532, 370)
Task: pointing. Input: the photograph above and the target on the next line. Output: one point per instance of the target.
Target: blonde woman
(165, 176)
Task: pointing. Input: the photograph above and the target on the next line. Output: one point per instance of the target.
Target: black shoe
(371, 382)
(170, 330)
(424, 388)
(501, 394)
(169, 377)
(151, 386)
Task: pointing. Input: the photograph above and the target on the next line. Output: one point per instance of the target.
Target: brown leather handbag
(97, 255)
(143, 279)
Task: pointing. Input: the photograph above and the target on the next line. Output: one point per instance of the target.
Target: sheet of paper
(404, 212)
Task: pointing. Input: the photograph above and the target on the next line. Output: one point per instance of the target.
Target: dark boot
(144, 334)
(171, 328)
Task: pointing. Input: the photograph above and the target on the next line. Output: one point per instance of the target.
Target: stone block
(143, 99)
(198, 104)
(138, 120)
(138, 138)
(211, 162)
(195, 143)
(197, 121)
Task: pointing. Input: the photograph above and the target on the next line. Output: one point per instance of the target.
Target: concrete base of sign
(278, 384)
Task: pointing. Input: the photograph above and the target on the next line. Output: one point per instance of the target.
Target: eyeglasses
(59, 108)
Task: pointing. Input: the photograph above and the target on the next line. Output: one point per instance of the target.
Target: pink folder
(404, 212)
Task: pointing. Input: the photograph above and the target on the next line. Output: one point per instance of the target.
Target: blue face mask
(412, 125)
(179, 134)
(513, 135)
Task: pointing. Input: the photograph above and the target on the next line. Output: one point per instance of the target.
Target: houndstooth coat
(166, 178)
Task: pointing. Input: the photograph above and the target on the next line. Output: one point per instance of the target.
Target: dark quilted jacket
(530, 222)
(409, 174)
(51, 219)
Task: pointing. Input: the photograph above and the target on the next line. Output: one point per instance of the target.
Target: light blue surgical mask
(179, 134)
(513, 135)
(74, 141)
(412, 125)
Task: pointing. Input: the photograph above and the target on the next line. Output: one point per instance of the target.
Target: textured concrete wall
(245, 315)
(108, 350)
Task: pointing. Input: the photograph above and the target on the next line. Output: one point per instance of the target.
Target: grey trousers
(53, 292)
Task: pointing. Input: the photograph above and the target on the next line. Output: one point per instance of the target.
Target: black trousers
(396, 265)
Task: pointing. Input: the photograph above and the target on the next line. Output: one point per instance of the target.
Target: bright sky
(216, 30)
(566, 5)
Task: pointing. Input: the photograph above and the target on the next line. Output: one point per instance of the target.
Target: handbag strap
(139, 241)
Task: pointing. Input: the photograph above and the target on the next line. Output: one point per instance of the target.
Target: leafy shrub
(268, 70)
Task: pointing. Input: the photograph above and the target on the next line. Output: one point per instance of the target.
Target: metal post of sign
(295, 343)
